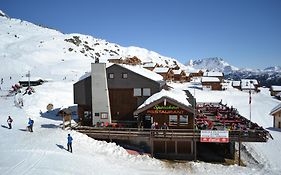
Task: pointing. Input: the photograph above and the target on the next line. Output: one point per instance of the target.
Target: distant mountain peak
(212, 64)
(3, 14)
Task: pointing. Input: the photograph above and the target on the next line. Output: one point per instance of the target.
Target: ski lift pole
(28, 79)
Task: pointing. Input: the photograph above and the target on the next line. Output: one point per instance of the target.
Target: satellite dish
(50, 107)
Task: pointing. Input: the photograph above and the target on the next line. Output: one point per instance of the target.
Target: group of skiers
(30, 129)
(29, 124)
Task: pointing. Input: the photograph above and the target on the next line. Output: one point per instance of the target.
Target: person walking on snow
(69, 143)
(30, 125)
(9, 121)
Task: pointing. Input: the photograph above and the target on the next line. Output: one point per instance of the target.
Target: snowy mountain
(39, 50)
(267, 77)
(212, 64)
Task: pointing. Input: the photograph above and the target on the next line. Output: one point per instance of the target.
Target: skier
(9, 121)
(69, 143)
(30, 125)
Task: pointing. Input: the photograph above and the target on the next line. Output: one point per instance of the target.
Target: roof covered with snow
(213, 74)
(276, 88)
(149, 65)
(210, 79)
(177, 72)
(31, 79)
(175, 94)
(137, 69)
(236, 83)
(161, 69)
(276, 109)
(248, 83)
(142, 71)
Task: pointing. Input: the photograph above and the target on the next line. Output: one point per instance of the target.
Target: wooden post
(176, 147)
(195, 149)
(151, 144)
(239, 149)
(165, 147)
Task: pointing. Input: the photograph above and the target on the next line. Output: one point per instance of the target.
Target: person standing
(69, 143)
(30, 125)
(9, 121)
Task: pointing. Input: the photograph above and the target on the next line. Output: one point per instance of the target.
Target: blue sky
(245, 33)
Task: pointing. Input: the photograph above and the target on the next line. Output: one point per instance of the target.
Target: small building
(172, 108)
(128, 87)
(196, 73)
(211, 83)
(33, 81)
(249, 85)
(274, 90)
(179, 76)
(236, 84)
(276, 113)
(278, 96)
(115, 61)
(150, 66)
(218, 75)
(165, 72)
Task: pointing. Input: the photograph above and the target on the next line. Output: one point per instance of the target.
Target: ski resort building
(218, 75)
(128, 87)
(274, 90)
(249, 85)
(165, 72)
(211, 83)
(276, 113)
(180, 76)
(132, 105)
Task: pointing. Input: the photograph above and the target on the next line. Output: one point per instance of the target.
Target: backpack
(32, 122)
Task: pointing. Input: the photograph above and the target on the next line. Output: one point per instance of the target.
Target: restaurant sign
(214, 136)
(169, 109)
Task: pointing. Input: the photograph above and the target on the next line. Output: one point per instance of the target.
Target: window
(146, 92)
(183, 119)
(173, 119)
(111, 75)
(104, 116)
(137, 92)
(97, 114)
(124, 75)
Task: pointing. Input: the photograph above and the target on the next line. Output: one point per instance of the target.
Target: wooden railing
(172, 134)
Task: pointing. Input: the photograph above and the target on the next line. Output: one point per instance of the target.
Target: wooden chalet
(165, 72)
(116, 61)
(197, 73)
(128, 87)
(218, 75)
(167, 106)
(211, 83)
(179, 76)
(150, 66)
(249, 85)
(236, 84)
(276, 113)
(274, 90)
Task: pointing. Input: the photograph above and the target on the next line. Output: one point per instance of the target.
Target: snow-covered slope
(25, 46)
